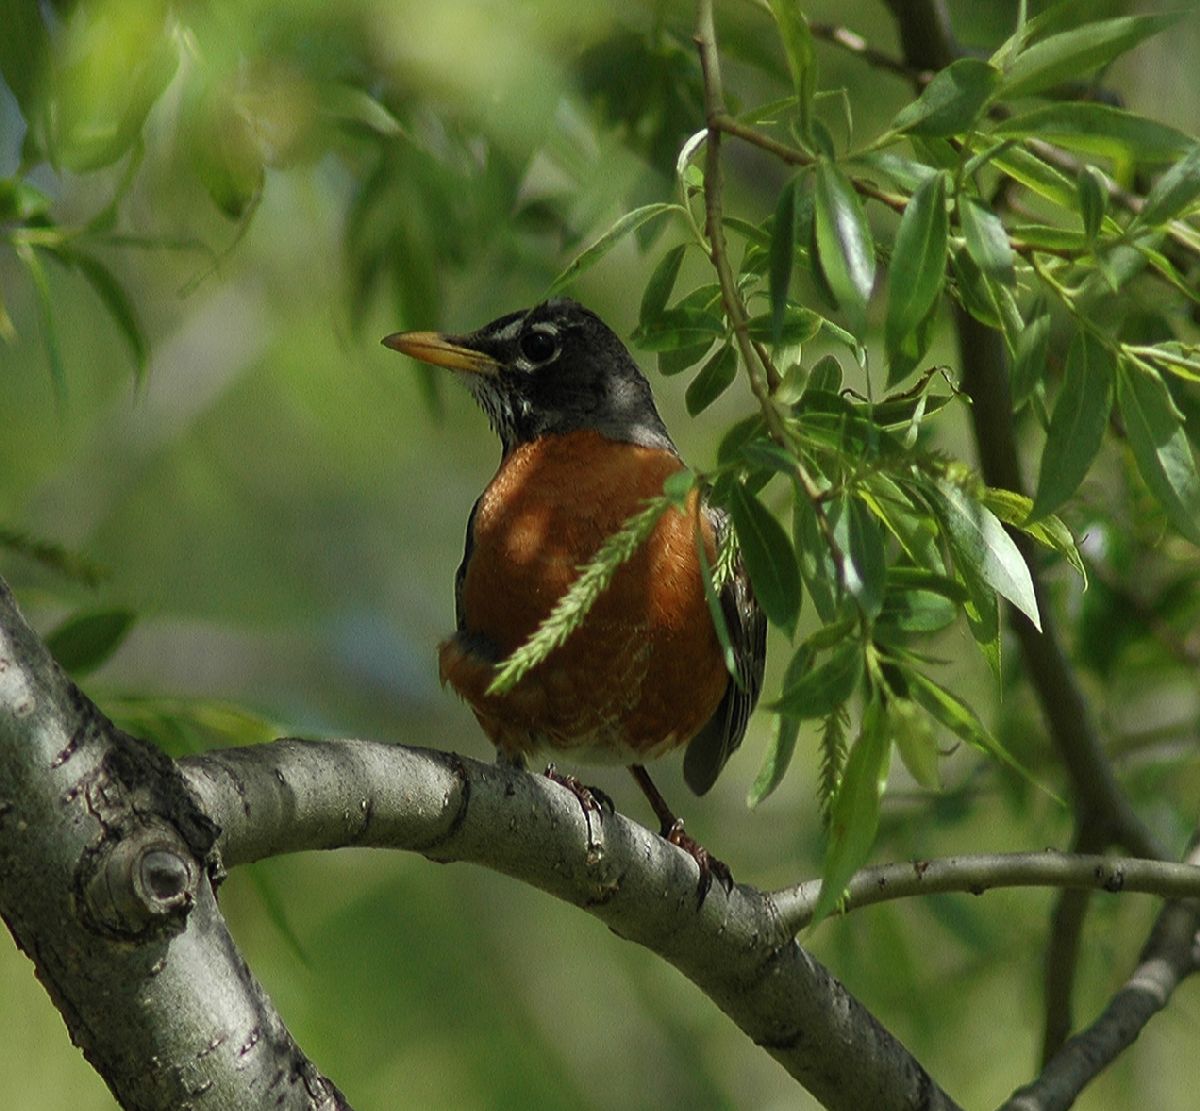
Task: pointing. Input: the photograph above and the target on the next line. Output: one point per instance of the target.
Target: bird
(582, 448)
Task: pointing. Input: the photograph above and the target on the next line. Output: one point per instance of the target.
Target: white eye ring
(539, 345)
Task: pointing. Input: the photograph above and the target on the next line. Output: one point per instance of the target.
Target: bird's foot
(591, 799)
(708, 864)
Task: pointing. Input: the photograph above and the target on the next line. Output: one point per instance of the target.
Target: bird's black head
(554, 368)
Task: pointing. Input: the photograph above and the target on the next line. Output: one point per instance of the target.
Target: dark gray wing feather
(747, 624)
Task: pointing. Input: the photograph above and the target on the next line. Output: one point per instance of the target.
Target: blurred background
(281, 503)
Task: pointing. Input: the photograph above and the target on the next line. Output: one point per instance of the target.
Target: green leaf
(854, 816)
(1093, 200)
(660, 285)
(1094, 128)
(1037, 176)
(819, 690)
(679, 359)
(678, 328)
(45, 305)
(1029, 359)
(951, 102)
(592, 254)
(24, 48)
(816, 561)
(350, 104)
(783, 744)
(826, 375)
(85, 640)
(120, 308)
(975, 291)
(844, 244)
(1014, 509)
(782, 254)
(1077, 426)
(226, 151)
(1174, 193)
(987, 241)
(769, 556)
(796, 326)
(715, 377)
(861, 540)
(978, 540)
(1160, 446)
(918, 268)
(912, 732)
(798, 46)
(1069, 54)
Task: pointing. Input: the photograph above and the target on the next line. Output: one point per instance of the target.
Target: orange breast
(644, 671)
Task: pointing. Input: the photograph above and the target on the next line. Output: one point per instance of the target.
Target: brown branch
(855, 44)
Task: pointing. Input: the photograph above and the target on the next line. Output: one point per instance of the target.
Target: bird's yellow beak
(435, 348)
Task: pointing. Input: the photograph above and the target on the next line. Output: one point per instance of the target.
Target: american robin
(582, 447)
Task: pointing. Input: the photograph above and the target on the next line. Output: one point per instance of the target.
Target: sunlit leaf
(798, 47)
(783, 743)
(844, 244)
(1174, 194)
(912, 733)
(1095, 128)
(979, 540)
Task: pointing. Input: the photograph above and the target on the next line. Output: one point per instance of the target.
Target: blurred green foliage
(208, 212)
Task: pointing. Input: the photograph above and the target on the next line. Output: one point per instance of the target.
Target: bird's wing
(747, 626)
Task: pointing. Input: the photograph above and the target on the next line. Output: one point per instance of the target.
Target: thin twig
(976, 874)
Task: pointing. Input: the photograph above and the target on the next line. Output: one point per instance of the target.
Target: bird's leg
(671, 828)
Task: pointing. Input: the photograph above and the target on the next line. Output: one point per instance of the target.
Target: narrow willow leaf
(798, 47)
(1029, 359)
(861, 541)
(715, 377)
(1037, 176)
(816, 562)
(951, 102)
(854, 816)
(844, 245)
(917, 270)
(1014, 509)
(679, 359)
(1174, 193)
(1100, 129)
(1093, 200)
(797, 326)
(912, 732)
(978, 539)
(85, 640)
(45, 306)
(1160, 446)
(120, 308)
(589, 256)
(826, 375)
(677, 328)
(660, 285)
(783, 744)
(782, 253)
(822, 688)
(1077, 426)
(974, 290)
(987, 241)
(1069, 54)
(769, 556)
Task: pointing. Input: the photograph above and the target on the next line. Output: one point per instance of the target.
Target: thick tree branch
(294, 795)
(103, 885)
(977, 874)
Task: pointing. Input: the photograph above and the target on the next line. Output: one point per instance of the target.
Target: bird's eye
(538, 347)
